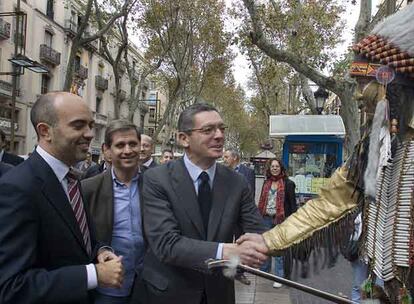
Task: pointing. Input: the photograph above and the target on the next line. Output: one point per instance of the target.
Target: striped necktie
(76, 202)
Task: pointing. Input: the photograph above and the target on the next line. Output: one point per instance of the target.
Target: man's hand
(249, 253)
(255, 238)
(110, 273)
(105, 255)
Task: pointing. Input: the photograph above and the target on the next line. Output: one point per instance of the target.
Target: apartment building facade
(51, 26)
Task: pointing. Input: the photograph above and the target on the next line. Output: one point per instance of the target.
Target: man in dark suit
(147, 148)
(191, 209)
(5, 157)
(48, 246)
(96, 169)
(4, 168)
(231, 159)
(115, 206)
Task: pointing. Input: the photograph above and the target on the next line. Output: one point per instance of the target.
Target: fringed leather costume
(388, 221)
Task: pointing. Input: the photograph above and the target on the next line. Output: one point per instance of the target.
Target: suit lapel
(184, 189)
(106, 201)
(57, 197)
(220, 188)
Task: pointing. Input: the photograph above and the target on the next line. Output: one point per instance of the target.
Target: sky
(241, 70)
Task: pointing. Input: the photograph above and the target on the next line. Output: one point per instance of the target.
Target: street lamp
(22, 62)
(320, 97)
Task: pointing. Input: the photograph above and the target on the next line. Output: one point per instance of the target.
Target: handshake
(109, 269)
(250, 248)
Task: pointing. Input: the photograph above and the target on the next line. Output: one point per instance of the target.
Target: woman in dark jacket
(277, 201)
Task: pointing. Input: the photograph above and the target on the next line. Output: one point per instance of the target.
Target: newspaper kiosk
(312, 149)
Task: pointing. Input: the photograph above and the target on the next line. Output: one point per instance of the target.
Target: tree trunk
(362, 25)
(350, 116)
(70, 65)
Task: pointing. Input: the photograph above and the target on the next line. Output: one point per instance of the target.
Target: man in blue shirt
(114, 201)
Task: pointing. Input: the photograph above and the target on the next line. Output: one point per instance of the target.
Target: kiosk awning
(284, 125)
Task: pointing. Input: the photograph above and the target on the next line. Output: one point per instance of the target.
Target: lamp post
(19, 61)
(171, 141)
(320, 97)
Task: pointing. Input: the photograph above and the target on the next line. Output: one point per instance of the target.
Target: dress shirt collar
(59, 168)
(195, 171)
(118, 182)
(148, 162)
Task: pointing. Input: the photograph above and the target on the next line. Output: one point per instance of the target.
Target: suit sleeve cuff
(92, 276)
(219, 254)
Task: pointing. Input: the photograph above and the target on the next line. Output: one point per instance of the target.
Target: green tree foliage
(190, 36)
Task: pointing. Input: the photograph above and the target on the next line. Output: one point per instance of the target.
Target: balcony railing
(81, 72)
(71, 27)
(6, 87)
(4, 29)
(5, 124)
(49, 55)
(101, 83)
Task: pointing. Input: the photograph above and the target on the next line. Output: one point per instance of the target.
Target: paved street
(336, 280)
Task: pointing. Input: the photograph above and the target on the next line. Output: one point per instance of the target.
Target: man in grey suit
(115, 206)
(191, 210)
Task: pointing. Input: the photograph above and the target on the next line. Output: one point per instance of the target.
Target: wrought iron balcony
(71, 27)
(4, 29)
(5, 88)
(80, 71)
(101, 83)
(49, 55)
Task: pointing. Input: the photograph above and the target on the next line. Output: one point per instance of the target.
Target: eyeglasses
(208, 130)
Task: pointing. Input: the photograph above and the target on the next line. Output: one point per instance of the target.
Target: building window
(45, 84)
(49, 9)
(48, 39)
(98, 104)
(77, 63)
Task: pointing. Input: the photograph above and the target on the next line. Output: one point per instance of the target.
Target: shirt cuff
(219, 254)
(92, 276)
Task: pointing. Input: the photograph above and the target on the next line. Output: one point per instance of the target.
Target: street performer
(379, 177)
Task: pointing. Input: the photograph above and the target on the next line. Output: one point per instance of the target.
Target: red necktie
(78, 208)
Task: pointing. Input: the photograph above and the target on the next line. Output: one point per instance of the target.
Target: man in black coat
(231, 159)
(48, 249)
(4, 168)
(6, 157)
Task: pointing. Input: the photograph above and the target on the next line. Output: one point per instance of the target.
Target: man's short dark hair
(167, 150)
(119, 125)
(186, 119)
(43, 110)
(2, 136)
